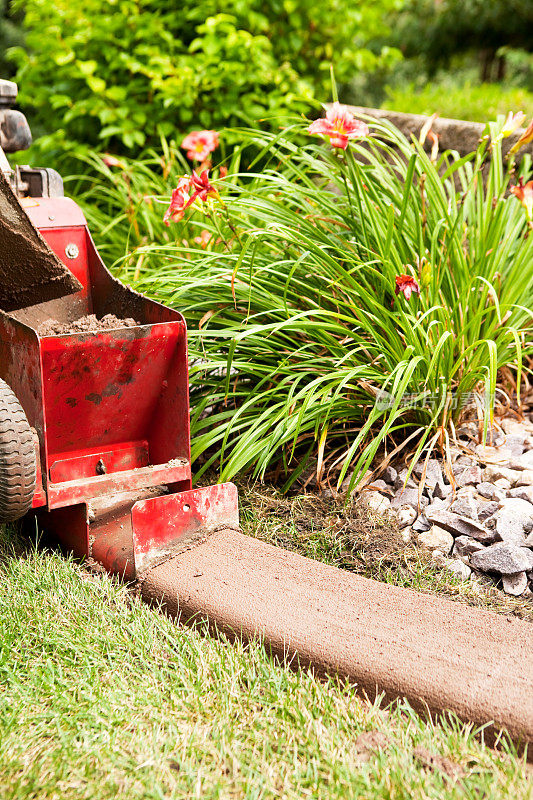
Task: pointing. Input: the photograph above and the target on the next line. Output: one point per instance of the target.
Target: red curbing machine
(95, 422)
(94, 438)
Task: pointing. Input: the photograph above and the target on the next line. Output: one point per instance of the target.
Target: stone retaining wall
(454, 134)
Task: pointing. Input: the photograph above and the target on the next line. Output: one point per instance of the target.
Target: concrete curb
(455, 134)
(439, 654)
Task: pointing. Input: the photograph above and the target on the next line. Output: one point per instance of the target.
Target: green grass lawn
(477, 103)
(104, 697)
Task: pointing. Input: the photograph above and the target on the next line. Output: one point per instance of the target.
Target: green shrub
(301, 348)
(121, 73)
(11, 35)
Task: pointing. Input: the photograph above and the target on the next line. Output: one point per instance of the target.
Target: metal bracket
(161, 525)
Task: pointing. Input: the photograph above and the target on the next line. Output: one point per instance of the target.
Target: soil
(355, 540)
(435, 762)
(84, 324)
(30, 272)
(370, 743)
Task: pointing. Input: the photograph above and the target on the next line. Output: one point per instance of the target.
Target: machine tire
(17, 458)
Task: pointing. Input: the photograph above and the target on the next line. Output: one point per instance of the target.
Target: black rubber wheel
(17, 458)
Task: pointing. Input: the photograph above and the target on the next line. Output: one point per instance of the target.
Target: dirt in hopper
(85, 324)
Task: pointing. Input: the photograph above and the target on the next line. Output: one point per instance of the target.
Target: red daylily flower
(407, 285)
(526, 137)
(339, 125)
(199, 144)
(202, 188)
(178, 202)
(524, 192)
(189, 189)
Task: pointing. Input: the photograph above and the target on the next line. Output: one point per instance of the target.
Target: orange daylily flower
(524, 192)
(199, 144)
(339, 125)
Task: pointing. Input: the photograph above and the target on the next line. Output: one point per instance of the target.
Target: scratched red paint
(160, 523)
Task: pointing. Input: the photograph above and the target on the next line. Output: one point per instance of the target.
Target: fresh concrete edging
(439, 654)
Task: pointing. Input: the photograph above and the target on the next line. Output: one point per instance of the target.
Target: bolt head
(71, 250)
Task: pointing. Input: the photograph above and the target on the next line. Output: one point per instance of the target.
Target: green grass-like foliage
(299, 347)
(103, 697)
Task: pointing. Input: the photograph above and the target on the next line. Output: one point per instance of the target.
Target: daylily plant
(339, 125)
(290, 295)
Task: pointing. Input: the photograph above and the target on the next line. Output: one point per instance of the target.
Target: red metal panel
(111, 542)
(54, 212)
(71, 240)
(168, 431)
(81, 464)
(70, 526)
(63, 494)
(20, 367)
(160, 524)
(102, 389)
(39, 496)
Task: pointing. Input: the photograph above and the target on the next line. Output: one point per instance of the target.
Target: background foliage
(466, 58)
(449, 98)
(440, 30)
(133, 76)
(11, 35)
(117, 75)
(120, 73)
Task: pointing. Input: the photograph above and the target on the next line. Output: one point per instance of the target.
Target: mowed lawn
(104, 697)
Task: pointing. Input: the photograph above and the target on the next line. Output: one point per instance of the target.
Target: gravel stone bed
(478, 523)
